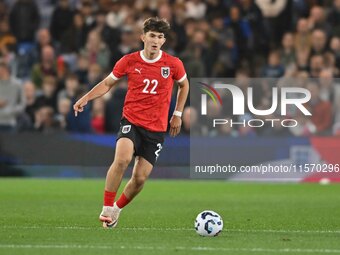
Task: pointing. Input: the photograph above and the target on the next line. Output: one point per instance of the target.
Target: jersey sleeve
(179, 74)
(119, 70)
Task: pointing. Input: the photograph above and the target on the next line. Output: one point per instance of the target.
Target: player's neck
(149, 55)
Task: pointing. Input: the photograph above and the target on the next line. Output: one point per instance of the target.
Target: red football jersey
(150, 84)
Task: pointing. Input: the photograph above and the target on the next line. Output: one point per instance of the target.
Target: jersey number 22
(147, 83)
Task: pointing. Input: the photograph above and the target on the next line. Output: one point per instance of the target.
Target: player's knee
(122, 162)
(139, 180)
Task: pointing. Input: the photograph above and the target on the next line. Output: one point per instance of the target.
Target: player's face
(153, 41)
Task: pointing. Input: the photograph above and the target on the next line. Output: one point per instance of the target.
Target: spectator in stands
(43, 39)
(195, 53)
(24, 20)
(61, 20)
(288, 51)
(71, 89)
(7, 39)
(30, 96)
(73, 39)
(49, 95)
(116, 16)
(242, 33)
(317, 20)
(334, 18)
(303, 37)
(94, 75)
(128, 43)
(335, 49)
(87, 12)
(98, 116)
(46, 66)
(110, 36)
(251, 12)
(316, 64)
(302, 63)
(64, 108)
(195, 9)
(82, 69)
(274, 68)
(277, 18)
(11, 100)
(226, 60)
(45, 121)
(96, 50)
(319, 42)
(176, 17)
(81, 124)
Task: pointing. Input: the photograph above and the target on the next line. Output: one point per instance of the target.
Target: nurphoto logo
(288, 96)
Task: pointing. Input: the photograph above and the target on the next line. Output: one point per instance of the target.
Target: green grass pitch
(45, 216)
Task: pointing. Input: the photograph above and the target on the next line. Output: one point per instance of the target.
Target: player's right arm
(104, 86)
(100, 89)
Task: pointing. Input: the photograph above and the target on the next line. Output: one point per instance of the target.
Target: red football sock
(122, 201)
(109, 198)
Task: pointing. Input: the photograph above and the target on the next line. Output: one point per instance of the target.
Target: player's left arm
(176, 119)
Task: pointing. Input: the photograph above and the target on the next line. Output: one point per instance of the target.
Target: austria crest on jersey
(165, 71)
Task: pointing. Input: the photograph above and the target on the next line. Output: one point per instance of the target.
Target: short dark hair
(157, 25)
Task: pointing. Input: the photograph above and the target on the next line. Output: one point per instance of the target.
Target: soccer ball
(208, 223)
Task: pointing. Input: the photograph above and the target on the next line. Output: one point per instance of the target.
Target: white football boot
(109, 216)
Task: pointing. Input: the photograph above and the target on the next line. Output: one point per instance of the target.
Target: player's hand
(79, 105)
(175, 125)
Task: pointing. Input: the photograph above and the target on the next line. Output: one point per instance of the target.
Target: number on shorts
(159, 146)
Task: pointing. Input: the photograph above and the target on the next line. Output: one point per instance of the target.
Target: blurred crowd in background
(54, 51)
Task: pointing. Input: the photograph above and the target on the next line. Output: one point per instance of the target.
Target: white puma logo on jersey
(138, 70)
